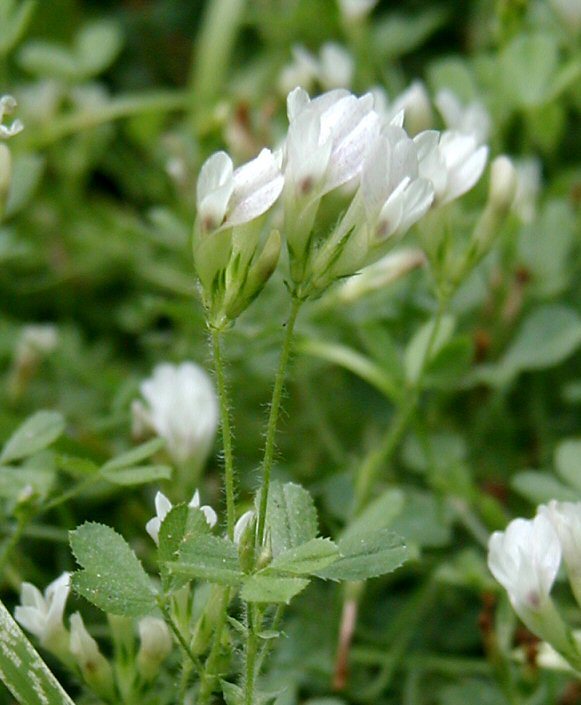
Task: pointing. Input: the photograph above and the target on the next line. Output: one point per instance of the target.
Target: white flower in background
(38, 339)
(242, 524)
(163, 507)
(155, 646)
(333, 68)
(529, 181)
(565, 518)
(381, 274)
(472, 119)
(453, 162)
(227, 197)
(414, 103)
(42, 615)
(570, 13)
(7, 107)
(95, 668)
(181, 407)
(503, 184)
(354, 10)
(525, 559)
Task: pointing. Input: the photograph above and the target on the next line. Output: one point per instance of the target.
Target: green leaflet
(113, 579)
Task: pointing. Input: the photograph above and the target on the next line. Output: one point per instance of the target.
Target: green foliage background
(96, 242)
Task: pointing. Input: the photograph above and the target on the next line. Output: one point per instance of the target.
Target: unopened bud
(155, 647)
(245, 538)
(94, 667)
(503, 183)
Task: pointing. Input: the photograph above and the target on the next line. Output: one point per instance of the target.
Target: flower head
(42, 614)
(163, 506)
(472, 119)
(181, 407)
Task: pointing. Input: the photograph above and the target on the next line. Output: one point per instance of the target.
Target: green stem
(254, 619)
(273, 418)
(179, 636)
(226, 432)
(11, 542)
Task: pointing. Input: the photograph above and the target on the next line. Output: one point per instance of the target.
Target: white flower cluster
(7, 107)
(332, 68)
(339, 143)
(525, 559)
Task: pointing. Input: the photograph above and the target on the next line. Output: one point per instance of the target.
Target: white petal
(195, 500)
(214, 189)
(297, 100)
(162, 505)
(257, 185)
(241, 524)
(152, 527)
(210, 514)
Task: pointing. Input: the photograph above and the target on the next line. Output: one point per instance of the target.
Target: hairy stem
(273, 418)
(226, 432)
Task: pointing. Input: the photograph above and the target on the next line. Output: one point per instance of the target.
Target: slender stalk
(273, 418)
(226, 432)
(179, 636)
(11, 542)
(209, 675)
(254, 621)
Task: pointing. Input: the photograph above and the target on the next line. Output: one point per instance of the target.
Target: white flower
(327, 140)
(394, 195)
(227, 197)
(182, 408)
(565, 518)
(155, 646)
(163, 507)
(7, 107)
(242, 524)
(333, 68)
(503, 183)
(453, 162)
(525, 559)
(472, 119)
(354, 10)
(42, 615)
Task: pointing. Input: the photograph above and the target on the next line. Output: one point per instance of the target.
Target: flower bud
(565, 518)
(94, 667)
(356, 10)
(503, 184)
(155, 646)
(245, 538)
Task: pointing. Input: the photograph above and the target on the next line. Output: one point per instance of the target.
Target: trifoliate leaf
(137, 475)
(37, 432)
(134, 456)
(113, 579)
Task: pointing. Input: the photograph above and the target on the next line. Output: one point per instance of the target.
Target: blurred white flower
(570, 13)
(472, 119)
(155, 645)
(7, 107)
(354, 10)
(453, 162)
(503, 183)
(381, 274)
(333, 68)
(42, 615)
(163, 507)
(227, 197)
(181, 407)
(38, 338)
(414, 103)
(565, 518)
